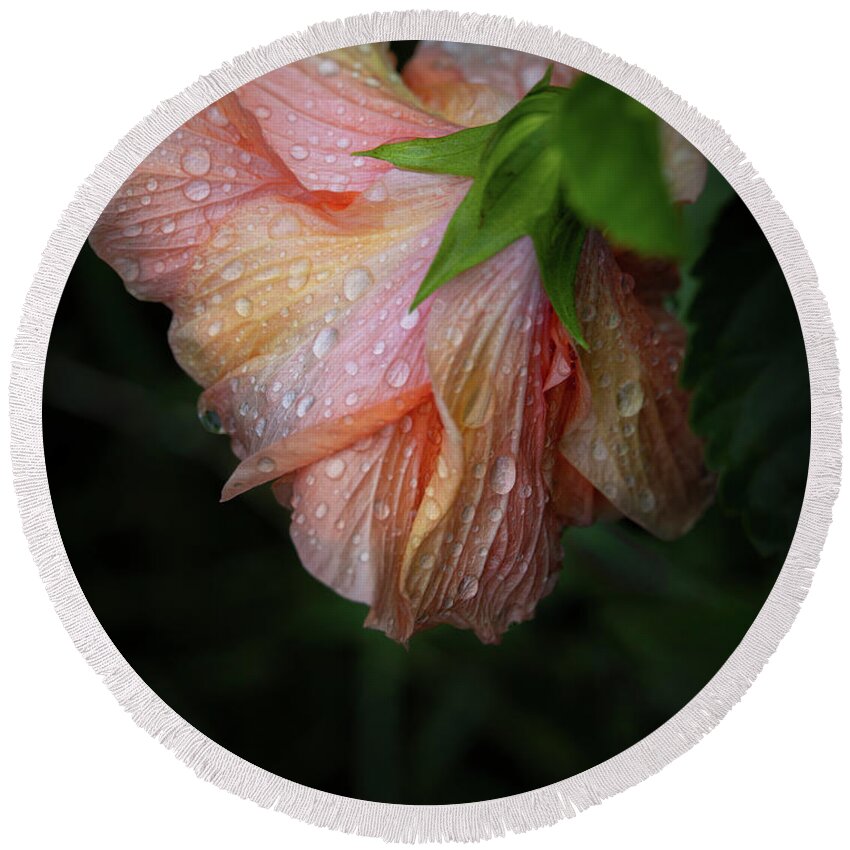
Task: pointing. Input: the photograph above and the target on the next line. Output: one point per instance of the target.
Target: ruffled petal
(358, 358)
(473, 84)
(154, 228)
(482, 547)
(635, 444)
(315, 112)
(352, 511)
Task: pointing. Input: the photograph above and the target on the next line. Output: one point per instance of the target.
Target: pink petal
(315, 112)
(152, 231)
(353, 510)
(635, 444)
(482, 549)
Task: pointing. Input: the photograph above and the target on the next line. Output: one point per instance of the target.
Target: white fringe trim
(471, 821)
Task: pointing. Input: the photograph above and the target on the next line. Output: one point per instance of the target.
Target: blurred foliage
(209, 603)
(747, 367)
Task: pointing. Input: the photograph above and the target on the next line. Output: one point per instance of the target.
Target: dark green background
(209, 604)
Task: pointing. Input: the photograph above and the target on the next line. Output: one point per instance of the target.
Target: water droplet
(646, 501)
(630, 398)
(321, 510)
(525, 491)
(214, 329)
(244, 307)
(378, 348)
(381, 509)
(168, 226)
(467, 513)
(410, 320)
(335, 468)
(196, 161)
(356, 282)
(299, 152)
(325, 340)
(398, 373)
(266, 464)
(132, 230)
(262, 112)
(287, 224)
(197, 190)
(351, 399)
(426, 561)
(599, 451)
(305, 403)
(211, 421)
(233, 271)
(351, 368)
(503, 474)
(299, 273)
(328, 67)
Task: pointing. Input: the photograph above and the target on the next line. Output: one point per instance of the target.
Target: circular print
(504, 421)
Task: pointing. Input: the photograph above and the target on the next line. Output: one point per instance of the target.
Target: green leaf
(457, 153)
(559, 161)
(468, 241)
(612, 169)
(747, 366)
(558, 243)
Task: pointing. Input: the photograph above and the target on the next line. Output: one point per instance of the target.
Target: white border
(469, 821)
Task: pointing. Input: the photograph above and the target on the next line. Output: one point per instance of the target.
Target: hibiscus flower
(432, 458)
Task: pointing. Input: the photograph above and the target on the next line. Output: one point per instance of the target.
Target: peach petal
(482, 547)
(635, 444)
(359, 359)
(473, 84)
(352, 511)
(152, 230)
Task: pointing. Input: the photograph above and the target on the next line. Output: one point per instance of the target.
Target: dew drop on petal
(335, 468)
(304, 405)
(299, 152)
(287, 224)
(646, 501)
(244, 307)
(410, 320)
(211, 422)
(325, 340)
(328, 67)
(233, 271)
(503, 474)
(266, 464)
(196, 161)
(197, 190)
(356, 282)
(398, 373)
(630, 398)
(321, 510)
(381, 509)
